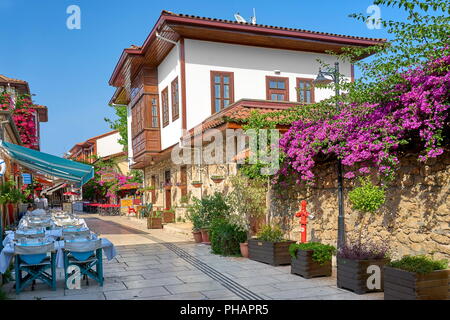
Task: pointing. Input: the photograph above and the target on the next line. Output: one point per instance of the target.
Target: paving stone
(194, 278)
(218, 294)
(302, 293)
(152, 282)
(95, 287)
(136, 293)
(181, 296)
(89, 296)
(192, 287)
(125, 278)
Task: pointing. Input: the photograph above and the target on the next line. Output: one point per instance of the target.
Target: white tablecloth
(8, 252)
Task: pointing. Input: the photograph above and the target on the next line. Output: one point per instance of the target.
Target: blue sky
(68, 70)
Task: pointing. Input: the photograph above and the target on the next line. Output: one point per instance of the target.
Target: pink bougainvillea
(24, 116)
(368, 136)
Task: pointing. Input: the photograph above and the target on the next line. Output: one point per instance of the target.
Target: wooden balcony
(145, 114)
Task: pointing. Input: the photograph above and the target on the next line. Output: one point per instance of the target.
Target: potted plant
(217, 179)
(312, 259)
(154, 220)
(270, 247)
(247, 200)
(226, 237)
(209, 208)
(356, 261)
(169, 216)
(416, 278)
(197, 222)
(196, 184)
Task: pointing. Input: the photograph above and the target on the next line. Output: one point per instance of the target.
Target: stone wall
(194, 173)
(415, 218)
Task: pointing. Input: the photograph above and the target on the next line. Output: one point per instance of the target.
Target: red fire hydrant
(303, 215)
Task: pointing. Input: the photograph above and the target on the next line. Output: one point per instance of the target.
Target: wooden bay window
(222, 90)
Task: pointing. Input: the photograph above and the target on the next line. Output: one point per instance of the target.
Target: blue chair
(33, 260)
(85, 254)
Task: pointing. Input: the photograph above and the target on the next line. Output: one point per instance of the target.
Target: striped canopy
(52, 165)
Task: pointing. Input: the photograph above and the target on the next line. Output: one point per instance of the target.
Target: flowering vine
(24, 116)
(368, 136)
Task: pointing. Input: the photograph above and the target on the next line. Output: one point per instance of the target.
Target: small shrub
(322, 253)
(157, 214)
(419, 264)
(270, 234)
(358, 250)
(207, 209)
(367, 197)
(225, 238)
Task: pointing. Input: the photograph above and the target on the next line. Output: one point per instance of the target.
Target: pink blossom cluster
(24, 118)
(368, 136)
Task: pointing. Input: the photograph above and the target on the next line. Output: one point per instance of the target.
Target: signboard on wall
(126, 202)
(108, 177)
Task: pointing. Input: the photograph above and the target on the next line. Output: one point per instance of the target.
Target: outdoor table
(8, 252)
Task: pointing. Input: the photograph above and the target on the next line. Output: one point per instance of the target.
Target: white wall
(109, 145)
(250, 65)
(168, 70)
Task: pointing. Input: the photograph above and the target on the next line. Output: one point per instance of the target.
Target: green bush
(322, 253)
(204, 211)
(225, 238)
(367, 197)
(157, 214)
(419, 264)
(270, 234)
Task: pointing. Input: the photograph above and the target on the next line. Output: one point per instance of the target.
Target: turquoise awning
(52, 165)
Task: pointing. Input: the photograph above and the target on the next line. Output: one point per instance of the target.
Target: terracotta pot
(205, 236)
(197, 185)
(217, 180)
(197, 236)
(244, 249)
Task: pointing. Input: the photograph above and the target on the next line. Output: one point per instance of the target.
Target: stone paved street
(160, 264)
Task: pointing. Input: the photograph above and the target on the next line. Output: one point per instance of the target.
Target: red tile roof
(241, 110)
(268, 26)
(11, 80)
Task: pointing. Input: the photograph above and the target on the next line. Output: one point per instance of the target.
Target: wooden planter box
(273, 253)
(352, 274)
(404, 285)
(306, 267)
(154, 223)
(168, 217)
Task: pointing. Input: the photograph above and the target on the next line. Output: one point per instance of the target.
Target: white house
(193, 71)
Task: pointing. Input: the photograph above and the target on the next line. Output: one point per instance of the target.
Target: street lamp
(321, 79)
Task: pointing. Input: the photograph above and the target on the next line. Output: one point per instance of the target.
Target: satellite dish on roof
(239, 18)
